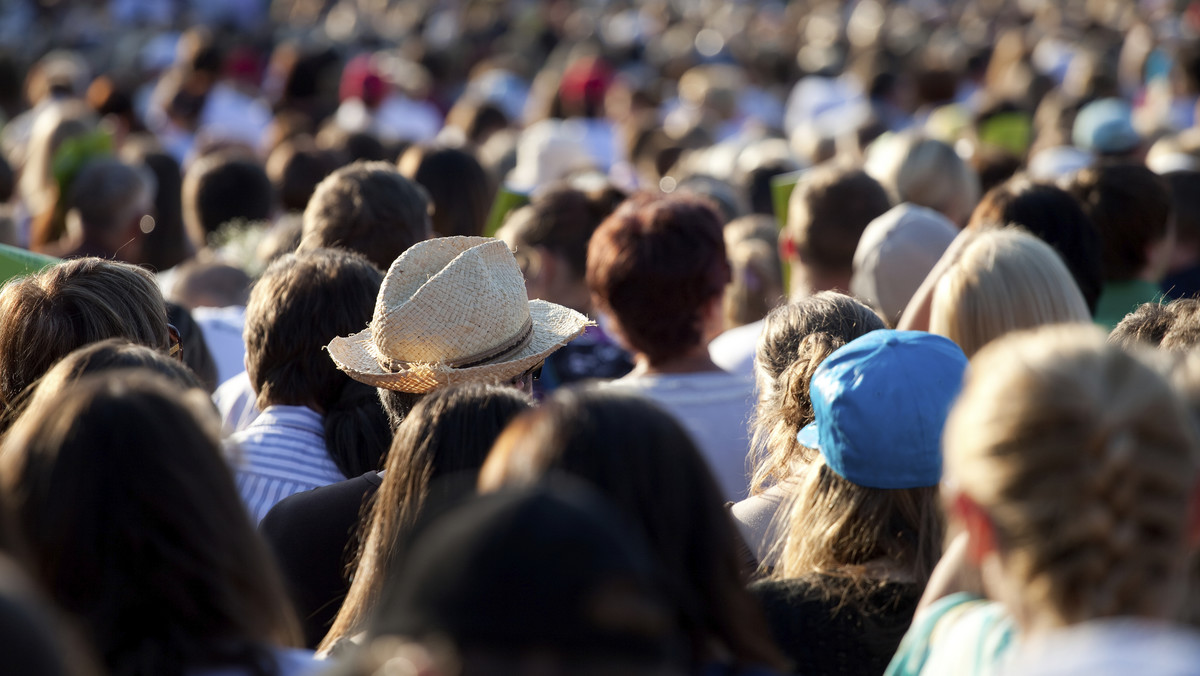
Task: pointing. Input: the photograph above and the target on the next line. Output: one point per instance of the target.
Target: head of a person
(453, 310)
(1173, 326)
(296, 167)
(895, 253)
(1004, 280)
(369, 208)
(69, 305)
(756, 273)
(929, 173)
(795, 339)
(1185, 208)
(550, 240)
(599, 611)
(639, 457)
(657, 268)
(1073, 465)
(457, 185)
(153, 553)
(110, 200)
(223, 188)
(868, 504)
(301, 302)
(828, 211)
(1131, 209)
(167, 244)
(448, 433)
(1053, 216)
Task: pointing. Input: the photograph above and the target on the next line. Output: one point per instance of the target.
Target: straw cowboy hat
(454, 310)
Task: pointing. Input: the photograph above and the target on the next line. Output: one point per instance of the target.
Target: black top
(313, 535)
(826, 636)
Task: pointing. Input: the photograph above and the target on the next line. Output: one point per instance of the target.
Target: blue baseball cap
(880, 404)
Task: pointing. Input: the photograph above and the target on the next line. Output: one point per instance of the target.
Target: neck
(695, 360)
(807, 281)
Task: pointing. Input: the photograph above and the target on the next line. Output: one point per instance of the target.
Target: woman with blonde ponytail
(1071, 466)
(796, 338)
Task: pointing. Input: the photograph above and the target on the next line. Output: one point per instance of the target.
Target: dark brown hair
(153, 551)
(461, 191)
(221, 188)
(654, 265)
(449, 431)
(642, 459)
(369, 208)
(71, 304)
(1130, 205)
(302, 302)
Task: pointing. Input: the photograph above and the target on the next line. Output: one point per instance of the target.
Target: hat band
(508, 347)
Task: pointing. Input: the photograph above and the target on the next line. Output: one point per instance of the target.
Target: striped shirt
(281, 453)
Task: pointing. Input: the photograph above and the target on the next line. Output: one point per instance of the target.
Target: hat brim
(809, 437)
(553, 327)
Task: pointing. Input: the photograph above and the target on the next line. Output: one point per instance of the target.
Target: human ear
(981, 535)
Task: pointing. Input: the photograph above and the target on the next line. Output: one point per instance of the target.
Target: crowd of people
(538, 338)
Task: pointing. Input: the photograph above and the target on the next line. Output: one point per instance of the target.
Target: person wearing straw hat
(454, 310)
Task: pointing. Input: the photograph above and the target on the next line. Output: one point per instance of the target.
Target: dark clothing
(591, 356)
(313, 535)
(822, 638)
(1182, 284)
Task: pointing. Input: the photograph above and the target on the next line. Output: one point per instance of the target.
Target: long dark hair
(447, 432)
(642, 459)
(136, 529)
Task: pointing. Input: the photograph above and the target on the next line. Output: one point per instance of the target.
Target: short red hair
(653, 265)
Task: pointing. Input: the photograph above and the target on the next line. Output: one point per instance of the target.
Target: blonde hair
(756, 279)
(796, 338)
(928, 173)
(846, 539)
(1084, 459)
(1005, 280)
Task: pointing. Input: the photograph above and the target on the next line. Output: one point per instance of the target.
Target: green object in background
(507, 201)
(781, 191)
(15, 262)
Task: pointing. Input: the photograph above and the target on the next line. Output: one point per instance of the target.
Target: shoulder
(960, 633)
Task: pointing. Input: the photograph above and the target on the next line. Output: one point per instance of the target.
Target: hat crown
(880, 403)
(451, 300)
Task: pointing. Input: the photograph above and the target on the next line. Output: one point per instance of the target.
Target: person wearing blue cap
(865, 528)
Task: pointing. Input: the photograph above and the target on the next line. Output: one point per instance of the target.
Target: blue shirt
(281, 453)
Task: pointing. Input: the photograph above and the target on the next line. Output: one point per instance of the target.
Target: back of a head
(221, 188)
(1130, 207)
(301, 302)
(1185, 206)
(456, 183)
(1004, 280)
(1053, 216)
(69, 305)
(154, 553)
(1084, 460)
(107, 194)
(368, 208)
(1174, 326)
(795, 339)
(468, 576)
(895, 253)
(645, 462)
(827, 213)
(655, 265)
(167, 244)
(931, 174)
(562, 219)
(296, 169)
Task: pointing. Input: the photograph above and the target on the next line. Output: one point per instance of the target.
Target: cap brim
(553, 327)
(809, 437)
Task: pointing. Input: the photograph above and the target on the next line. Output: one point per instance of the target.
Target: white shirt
(734, 350)
(714, 408)
(281, 453)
